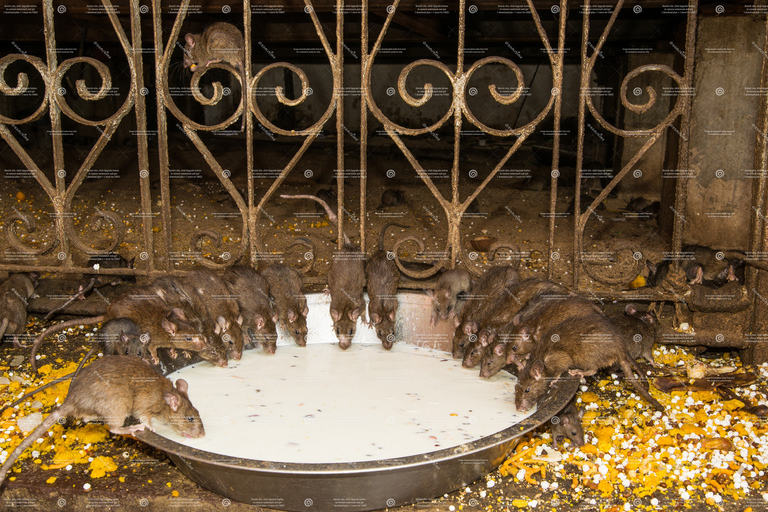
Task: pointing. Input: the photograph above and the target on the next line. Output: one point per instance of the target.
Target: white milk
(319, 404)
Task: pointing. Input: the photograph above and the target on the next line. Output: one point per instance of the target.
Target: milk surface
(319, 404)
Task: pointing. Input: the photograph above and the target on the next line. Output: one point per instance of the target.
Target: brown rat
(220, 42)
(252, 293)
(639, 330)
(14, 293)
(567, 425)
(204, 298)
(391, 197)
(474, 354)
(382, 277)
(346, 282)
(445, 297)
(289, 302)
(167, 327)
(485, 290)
(114, 388)
(497, 356)
(581, 345)
(119, 336)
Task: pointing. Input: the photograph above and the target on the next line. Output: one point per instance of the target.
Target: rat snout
(344, 343)
(269, 348)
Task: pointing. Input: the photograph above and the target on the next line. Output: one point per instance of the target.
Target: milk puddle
(319, 404)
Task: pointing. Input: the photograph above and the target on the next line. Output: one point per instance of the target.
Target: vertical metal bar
(246, 92)
(454, 218)
(162, 131)
(140, 104)
(683, 159)
(58, 147)
(557, 84)
(340, 116)
(363, 123)
(759, 227)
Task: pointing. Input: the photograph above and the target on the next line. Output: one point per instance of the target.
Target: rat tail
(57, 328)
(331, 216)
(31, 438)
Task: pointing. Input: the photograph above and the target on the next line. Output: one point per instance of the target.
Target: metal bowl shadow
(360, 486)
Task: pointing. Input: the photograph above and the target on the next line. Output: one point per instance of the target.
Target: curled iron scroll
(514, 260)
(197, 246)
(423, 274)
(308, 255)
(31, 226)
(22, 85)
(633, 270)
(282, 99)
(84, 93)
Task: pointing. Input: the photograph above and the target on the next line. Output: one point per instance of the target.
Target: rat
(548, 309)
(167, 327)
(583, 345)
(204, 297)
(567, 424)
(119, 336)
(639, 331)
(220, 42)
(445, 296)
(474, 354)
(484, 291)
(252, 293)
(346, 282)
(114, 388)
(14, 293)
(382, 277)
(496, 357)
(216, 304)
(91, 281)
(391, 197)
(289, 302)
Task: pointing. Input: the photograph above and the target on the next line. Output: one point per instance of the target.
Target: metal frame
(251, 208)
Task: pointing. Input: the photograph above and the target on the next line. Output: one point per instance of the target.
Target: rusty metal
(454, 208)
(680, 109)
(54, 100)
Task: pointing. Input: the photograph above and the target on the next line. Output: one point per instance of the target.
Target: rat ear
(173, 400)
(223, 323)
(511, 357)
(447, 293)
(467, 327)
(537, 370)
(305, 311)
(131, 262)
(516, 319)
(292, 316)
(123, 337)
(190, 39)
(335, 315)
(631, 310)
(275, 318)
(375, 318)
(354, 314)
(525, 333)
(178, 313)
(216, 328)
(652, 267)
(182, 386)
(240, 320)
(391, 316)
(168, 326)
(581, 413)
(259, 320)
(565, 421)
(499, 350)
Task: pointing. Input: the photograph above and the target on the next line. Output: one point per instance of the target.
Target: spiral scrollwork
(423, 274)
(31, 226)
(643, 107)
(84, 93)
(22, 85)
(309, 256)
(280, 95)
(196, 243)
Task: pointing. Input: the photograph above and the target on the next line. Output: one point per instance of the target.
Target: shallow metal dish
(369, 485)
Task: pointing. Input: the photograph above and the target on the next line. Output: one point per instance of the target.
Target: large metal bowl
(370, 485)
